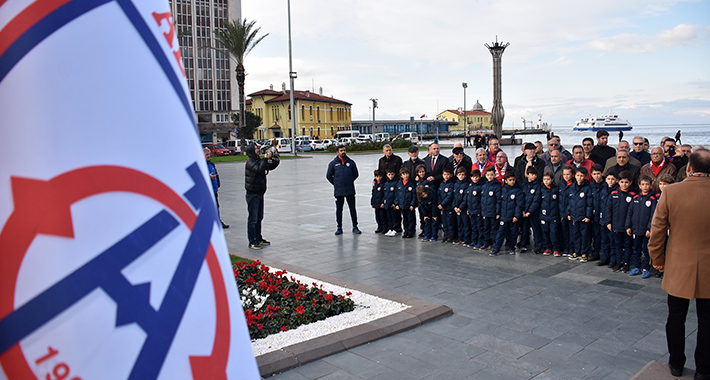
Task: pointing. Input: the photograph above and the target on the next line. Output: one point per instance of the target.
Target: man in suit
(435, 164)
(684, 208)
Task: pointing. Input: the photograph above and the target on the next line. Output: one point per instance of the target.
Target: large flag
(113, 264)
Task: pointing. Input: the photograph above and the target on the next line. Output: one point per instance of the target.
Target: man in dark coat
(435, 164)
(622, 164)
(528, 159)
(602, 150)
(255, 171)
(390, 161)
(639, 152)
(342, 173)
(413, 161)
(460, 159)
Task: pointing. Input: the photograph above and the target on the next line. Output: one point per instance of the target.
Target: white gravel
(367, 308)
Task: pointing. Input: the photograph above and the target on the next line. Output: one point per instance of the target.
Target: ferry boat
(608, 122)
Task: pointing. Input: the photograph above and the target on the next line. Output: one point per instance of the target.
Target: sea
(693, 134)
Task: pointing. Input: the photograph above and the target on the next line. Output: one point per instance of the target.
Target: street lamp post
(374, 105)
(465, 122)
(292, 75)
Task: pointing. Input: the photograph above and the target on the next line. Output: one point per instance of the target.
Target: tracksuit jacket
(532, 197)
(406, 195)
(378, 194)
(640, 212)
(445, 194)
(580, 203)
(564, 198)
(617, 208)
(600, 200)
(473, 198)
(459, 189)
(511, 203)
(549, 203)
(490, 192)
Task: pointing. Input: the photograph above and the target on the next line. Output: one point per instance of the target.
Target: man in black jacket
(603, 151)
(255, 172)
(529, 158)
(413, 161)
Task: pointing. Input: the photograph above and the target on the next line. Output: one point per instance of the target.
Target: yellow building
(317, 116)
(478, 118)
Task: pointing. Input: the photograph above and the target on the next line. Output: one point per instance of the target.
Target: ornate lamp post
(497, 112)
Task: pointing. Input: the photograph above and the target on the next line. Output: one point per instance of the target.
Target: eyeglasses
(635, 143)
(551, 144)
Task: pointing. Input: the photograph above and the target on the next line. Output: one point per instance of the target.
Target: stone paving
(514, 317)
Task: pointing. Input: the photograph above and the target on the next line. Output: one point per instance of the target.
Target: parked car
(318, 145)
(411, 136)
(329, 142)
(217, 150)
(347, 140)
(303, 146)
(381, 136)
(364, 139)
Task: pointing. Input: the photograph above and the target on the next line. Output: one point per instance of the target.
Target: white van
(283, 145)
(342, 134)
(364, 139)
(306, 139)
(384, 136)
(411, 136)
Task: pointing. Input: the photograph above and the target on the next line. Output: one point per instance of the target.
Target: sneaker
(339, 231)
(484, 246)
(557, 254)
(264, 242)
(432, 239)
(617, 267)
(572, 256)
(255, 246)
(602, 263)
(635, 272)
(377, 231)
(421, 235)
(645, 274)
(356, 231)
(625, 268)
(612, 264)
(523, 249)
(457, 242)
(493, 253)
(565, 254)
(425, 238)
(478, 247)
(547, 252)
(593, 258)
(537, 251)
(511, 252)
(464, 245)
(583, 259)
(224, 225)
(391, 233)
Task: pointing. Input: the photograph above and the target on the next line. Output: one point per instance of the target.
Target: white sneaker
(390, 233)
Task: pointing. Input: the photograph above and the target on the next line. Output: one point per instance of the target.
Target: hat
(413, 148)
(529, 146)
(457, 150)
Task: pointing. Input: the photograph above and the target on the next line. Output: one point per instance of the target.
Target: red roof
(298, 95)
(275, 126)
(476, 112)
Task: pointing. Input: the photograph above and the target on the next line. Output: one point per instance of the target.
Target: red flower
(284, 328)
(299, 310)
(349, 294)
(286, 293)
(328, 297)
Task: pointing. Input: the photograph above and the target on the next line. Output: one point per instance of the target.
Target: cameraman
(255, 172)
(675, 156)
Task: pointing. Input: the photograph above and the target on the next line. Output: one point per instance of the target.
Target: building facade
(210, 73)
(318, 116)
(475, 119)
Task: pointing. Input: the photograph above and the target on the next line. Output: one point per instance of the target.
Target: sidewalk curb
(420, 312)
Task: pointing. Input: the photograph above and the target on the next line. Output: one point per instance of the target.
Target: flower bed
(273, 303)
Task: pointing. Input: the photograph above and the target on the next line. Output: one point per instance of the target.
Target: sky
(646, 60)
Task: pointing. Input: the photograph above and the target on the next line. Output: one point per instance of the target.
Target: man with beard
(481, 161)
(502, 166)
(342, 173)
(588, 146)
(602, 150)
(623, 145)
(623, 165)
(578, 161)
(493, 149)
(529, 158)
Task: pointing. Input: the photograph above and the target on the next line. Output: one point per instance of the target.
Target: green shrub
(375, 145)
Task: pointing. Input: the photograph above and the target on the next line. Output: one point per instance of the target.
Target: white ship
(608, 122)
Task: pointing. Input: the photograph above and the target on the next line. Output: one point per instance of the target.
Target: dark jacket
(632, 170)
(511, 203)
(445, 195)
(643, 156)
(490, 194)
(564, 198)
(390, 193)
(532, 197)
(521, 167)
(342, 176)
(549, 203)
(557, 173)
(212, 170)
(412, 166)
(600, 200)
(378, 194)
(473, 198)
(441, 162)
(255, 171)
(596, 188)
(603, 153)
(406, 195)
(640, 213)
(426, 205)
(394, 162)
(617, 207)
(460, 188)
(580, 204)
(465, 162)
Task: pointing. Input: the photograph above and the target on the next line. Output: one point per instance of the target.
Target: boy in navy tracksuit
(473, 206)
(406, 202)
(377, 201)
(425, 198)
(420, 180)
(617, 207)
(445, 204)
(490, 192)
(531, 214)
(550, 214)
(638, 221)
(461, 208)
(597, 185)
(601, 198)
(580, 212)
(567, 181)
(510, 209)
(390, 189)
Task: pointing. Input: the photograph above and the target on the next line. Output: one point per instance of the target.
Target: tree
(252, 124)
(239, 38)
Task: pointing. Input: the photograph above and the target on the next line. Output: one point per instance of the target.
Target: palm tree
(239, 38)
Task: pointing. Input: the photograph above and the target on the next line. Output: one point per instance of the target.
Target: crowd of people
(593, 203)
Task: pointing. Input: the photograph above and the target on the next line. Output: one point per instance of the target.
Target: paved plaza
(514, 317)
